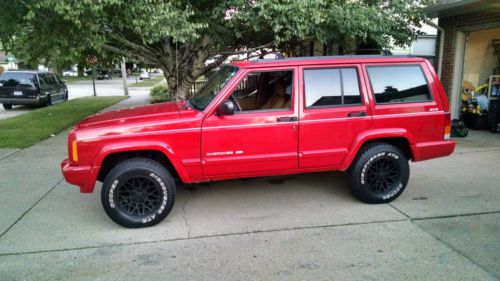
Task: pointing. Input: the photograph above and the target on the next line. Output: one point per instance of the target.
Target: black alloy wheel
(383, 175)
(138, 196)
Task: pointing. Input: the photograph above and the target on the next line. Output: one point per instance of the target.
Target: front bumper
(430, 150)
(82, 176)
(24, 101)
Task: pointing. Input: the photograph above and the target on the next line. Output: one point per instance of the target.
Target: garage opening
(480, 91)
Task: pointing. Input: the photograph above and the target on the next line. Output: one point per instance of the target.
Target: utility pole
(93, 79)
(124, 77)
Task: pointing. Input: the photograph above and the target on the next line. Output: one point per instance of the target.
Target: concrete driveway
(445, 226)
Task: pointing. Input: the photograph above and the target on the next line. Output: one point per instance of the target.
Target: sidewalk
(445, 226)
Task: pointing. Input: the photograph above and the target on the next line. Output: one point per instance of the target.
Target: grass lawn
(148, 82)
(69, 79)
(32, 127)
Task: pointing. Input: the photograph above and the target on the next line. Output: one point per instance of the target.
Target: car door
(61, 91)
(334, 111)
(45, 87)
(56, 93)
(254, 141)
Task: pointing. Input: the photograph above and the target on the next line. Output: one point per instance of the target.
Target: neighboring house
(469, 28)
(423, 46)
(8, 61)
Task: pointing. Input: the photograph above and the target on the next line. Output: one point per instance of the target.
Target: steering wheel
(233, 99)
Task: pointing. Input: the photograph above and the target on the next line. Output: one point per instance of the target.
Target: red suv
(367, 116)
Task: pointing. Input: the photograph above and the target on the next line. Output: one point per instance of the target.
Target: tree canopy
(178, 36)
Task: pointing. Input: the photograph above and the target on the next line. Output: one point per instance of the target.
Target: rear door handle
(287, 119)
(356, 114)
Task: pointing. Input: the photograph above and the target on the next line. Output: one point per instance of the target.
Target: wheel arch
(162, 153)
(397, 137)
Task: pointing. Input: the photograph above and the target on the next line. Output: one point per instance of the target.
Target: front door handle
(356, 114)
(287, 119)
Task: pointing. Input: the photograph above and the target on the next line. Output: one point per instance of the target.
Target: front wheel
(379, 174)
(138, 192)
(7, 106)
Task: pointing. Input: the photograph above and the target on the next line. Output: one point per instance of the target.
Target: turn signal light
(74, 151)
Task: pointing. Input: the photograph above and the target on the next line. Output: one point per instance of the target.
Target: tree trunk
(181, 75)
(80, 70)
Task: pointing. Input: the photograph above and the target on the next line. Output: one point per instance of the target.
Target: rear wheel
(48, 101)
(7, 106)
(379, 174)
(138, 192)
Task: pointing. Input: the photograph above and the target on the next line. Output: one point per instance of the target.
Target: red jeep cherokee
(365, 115)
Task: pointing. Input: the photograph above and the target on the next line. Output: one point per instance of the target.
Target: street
(445, 226)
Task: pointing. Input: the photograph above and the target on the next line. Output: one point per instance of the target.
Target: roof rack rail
(332, 57)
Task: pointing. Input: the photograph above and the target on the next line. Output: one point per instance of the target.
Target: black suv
(31, 87)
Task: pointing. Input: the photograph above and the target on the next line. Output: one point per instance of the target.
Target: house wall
(452, 25)
(480, 58)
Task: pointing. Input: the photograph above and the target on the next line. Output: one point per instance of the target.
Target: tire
(48, 101)
(379, 174)
(128, 187)
(66, 96)
(7, 106)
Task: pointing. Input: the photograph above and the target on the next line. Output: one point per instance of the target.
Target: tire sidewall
(373, 153)
(123, 172)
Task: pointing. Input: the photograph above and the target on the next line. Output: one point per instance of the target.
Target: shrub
(160, 93)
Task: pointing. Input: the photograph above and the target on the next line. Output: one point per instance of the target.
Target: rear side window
(14, 79)
(398, 84)
(331, 87)
(43, 79)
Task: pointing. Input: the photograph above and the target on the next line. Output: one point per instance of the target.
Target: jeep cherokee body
(368, 115)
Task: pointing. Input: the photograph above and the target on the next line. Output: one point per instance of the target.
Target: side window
(51, 79)
(331, 87)
(397, 84)
(57, 79)
(264, 91)
(43, 79)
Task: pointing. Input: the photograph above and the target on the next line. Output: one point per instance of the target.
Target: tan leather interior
(278, 99)
(248, 103)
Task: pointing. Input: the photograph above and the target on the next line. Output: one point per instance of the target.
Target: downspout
(441, 44)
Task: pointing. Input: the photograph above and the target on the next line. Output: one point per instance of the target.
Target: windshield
(202, 98)
(13, 79)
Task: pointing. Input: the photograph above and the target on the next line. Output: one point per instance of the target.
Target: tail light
(447, 126)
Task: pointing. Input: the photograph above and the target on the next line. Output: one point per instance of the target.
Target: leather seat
(278, 99)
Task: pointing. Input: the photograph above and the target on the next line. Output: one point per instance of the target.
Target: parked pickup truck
(366, 115)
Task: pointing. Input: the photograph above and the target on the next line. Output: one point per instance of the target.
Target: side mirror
(226, 108)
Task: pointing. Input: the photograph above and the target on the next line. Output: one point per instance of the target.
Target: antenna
(177, 73)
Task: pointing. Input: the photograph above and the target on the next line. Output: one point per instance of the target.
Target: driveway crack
(184, 216)
(30, 208)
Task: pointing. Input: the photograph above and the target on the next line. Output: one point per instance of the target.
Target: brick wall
(451, 25)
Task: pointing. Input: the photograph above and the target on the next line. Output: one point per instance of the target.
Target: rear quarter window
(398, 84)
